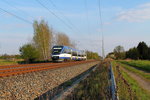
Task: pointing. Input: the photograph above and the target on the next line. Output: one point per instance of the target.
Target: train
(66, 53)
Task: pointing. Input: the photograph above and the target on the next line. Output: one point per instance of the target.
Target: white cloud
(140, 13)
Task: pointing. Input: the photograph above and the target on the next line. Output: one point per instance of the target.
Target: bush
(29, 53)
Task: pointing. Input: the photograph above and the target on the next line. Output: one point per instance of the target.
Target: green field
(130, 91)
(139, 64)
(134, 70)
(138, 92)
(7, 62)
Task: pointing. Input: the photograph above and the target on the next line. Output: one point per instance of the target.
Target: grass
(128, 88)
(140, 94)
(134, 70)
(94, 87)
(139, 64)
(122, 88)
(7, 62)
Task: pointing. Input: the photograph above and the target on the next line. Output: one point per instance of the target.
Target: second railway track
(26, 68)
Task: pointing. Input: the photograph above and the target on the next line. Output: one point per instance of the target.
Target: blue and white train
(65, 53)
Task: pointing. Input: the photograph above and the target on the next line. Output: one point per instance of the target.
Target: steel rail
(10, 72)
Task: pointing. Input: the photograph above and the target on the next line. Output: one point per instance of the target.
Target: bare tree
(63, 39)
(119, 52)
(42, 39)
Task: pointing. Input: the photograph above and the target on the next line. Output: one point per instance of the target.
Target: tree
(63, 39)
(42, 39)
(111, 55)
(92, 55)
(143, 50)
(29, 53)
(132, 53)
(119, 52)
(149, 53)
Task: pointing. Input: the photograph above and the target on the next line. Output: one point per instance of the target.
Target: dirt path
(142, 82)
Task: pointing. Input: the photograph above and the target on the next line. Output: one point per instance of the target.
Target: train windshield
(57, 49)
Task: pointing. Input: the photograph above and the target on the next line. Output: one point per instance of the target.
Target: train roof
(68, 47)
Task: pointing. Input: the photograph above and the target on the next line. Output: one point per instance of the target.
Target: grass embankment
(139, 64)
(7, 62)
(126, 65)
(127, 87)
(94, 87)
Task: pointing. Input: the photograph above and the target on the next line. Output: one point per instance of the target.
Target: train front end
(56, 52)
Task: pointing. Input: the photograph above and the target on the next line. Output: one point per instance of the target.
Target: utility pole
(103, 50)
(101, 23)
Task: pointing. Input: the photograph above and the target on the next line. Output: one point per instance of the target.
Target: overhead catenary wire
(101, 24)
(87, 17)
(69, 22)
(38, 1)
(5, 1)
(18, 17)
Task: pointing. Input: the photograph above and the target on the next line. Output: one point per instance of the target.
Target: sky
(124, 22)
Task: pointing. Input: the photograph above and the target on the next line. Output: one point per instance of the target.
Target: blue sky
(125, 22)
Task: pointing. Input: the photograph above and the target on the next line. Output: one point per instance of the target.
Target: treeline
(43, 39)
(9, 57)
(142, 52)
(92, 55)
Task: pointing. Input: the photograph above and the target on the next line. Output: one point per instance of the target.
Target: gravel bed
(31, 85)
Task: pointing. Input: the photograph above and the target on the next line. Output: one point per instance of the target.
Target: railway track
(27, 68)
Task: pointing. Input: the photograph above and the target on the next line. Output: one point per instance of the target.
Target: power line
(20, 18)
(16, 8)
(54, 14)
(63, 14)
(101, 23)
(60, 12)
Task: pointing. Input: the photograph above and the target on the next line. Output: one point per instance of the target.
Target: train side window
(78, 53)
(69, 51)
(74, 53)
(65, 50)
